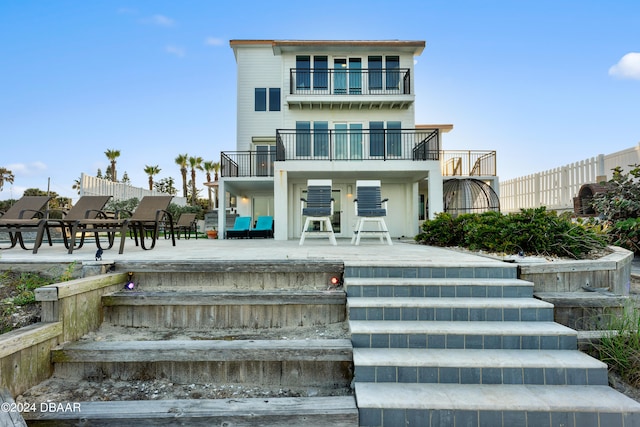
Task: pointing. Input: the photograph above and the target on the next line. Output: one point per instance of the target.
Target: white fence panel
(556, 188)
(92, 186)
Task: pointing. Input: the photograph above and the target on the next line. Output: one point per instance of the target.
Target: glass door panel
(340, 76)
(342, 141)
(337, 210)
(265, 155)
(355, 76)
(355, 141)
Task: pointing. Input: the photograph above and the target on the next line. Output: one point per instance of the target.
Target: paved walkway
(401, 253)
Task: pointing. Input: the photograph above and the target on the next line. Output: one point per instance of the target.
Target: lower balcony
(344, 145)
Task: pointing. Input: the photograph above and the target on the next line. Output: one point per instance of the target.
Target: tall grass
(619, 346)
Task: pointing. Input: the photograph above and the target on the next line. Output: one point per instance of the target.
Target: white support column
(222, 209)
(435, 194)
(281, 204)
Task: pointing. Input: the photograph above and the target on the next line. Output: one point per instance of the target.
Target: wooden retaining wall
(69, 310)
(612, 272)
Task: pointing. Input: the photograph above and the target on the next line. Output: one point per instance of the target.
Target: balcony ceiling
(396, 46)
(349, 102)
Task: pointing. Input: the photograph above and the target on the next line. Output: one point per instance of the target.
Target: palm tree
(5, 176)
(181, 161)
(216, 169)
(77, 185)
(209, 166)
(112, 155)
(151, 171)
(194, 163)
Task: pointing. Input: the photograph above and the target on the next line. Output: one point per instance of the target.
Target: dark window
(376, 143)
(375, 72)
(393, 72)
(303, 71)
(321, 139)
(320, 72)
(274, 99)
(261, 99)
(303, 139)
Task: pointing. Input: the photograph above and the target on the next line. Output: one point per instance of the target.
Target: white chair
(318, 207)
(370, 209)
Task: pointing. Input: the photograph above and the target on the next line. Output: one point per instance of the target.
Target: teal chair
(263, 228)
(240, 228)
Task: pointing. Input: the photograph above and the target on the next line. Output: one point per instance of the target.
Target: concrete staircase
(232, 326)
(468, 346)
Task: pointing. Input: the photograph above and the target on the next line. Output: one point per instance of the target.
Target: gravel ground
(62, 391)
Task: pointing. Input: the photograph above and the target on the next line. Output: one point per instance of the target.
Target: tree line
(189, 165)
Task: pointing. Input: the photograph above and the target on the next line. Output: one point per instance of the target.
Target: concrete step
(441, 287)
(468, 335)
(437, 405)
(314, 411)
(544, 367)
(231, 309)
(448, 309)
(207, 274)
(453, 270)
(318, 363)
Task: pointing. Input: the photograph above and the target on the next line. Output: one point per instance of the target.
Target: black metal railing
(358, 144)
(454, 163)
(247, 163)
(380, 81)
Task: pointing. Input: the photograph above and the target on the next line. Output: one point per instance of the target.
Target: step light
(335, 281)
(130, 285)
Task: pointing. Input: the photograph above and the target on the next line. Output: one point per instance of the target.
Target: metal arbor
(469, 195)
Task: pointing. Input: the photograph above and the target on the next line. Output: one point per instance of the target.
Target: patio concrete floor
(371, 250)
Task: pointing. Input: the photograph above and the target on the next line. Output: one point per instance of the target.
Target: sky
(544, 82)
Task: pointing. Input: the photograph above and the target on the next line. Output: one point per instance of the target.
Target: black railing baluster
(416, 145)
(364, 81)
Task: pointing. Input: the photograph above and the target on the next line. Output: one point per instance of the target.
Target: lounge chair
(148, 216)
(87, 207)
(240, 228)
(187, 224)
(26, 214)
(370, 208)
(263, 228)
(318, 207)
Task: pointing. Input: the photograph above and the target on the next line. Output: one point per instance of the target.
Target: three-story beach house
(339, 110)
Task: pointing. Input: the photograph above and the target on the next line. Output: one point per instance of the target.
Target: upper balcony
(311, 88)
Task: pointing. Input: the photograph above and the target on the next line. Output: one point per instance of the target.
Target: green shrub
(532, 231)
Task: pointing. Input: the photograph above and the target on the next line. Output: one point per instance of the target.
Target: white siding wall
(257, 67)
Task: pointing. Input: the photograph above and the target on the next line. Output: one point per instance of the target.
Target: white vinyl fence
(92, 186)
(556, 188)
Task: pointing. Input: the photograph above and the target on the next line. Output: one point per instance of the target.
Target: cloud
(27, 169)
(628, 67)
(175, 50)
(213, 41)
(161, 21)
